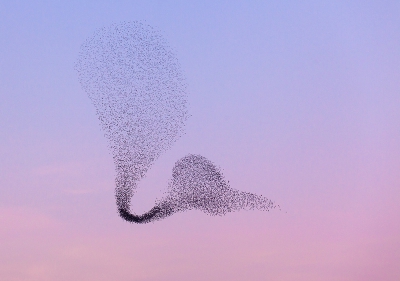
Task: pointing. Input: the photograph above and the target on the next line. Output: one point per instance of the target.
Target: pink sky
(296, 101)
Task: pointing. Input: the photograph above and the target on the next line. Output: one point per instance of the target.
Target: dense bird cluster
(135, 83)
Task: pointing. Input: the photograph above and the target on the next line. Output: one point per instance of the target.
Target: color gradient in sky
(297, 101)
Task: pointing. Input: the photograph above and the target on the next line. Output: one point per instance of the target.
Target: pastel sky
(295, 100)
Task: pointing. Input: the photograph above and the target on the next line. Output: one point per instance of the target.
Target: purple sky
(298, 101)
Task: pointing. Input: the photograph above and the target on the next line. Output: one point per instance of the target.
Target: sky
(296, 100)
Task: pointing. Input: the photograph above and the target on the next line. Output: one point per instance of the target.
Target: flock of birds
(135, 82)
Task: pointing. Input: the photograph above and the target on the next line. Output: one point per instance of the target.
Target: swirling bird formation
(136, 85)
